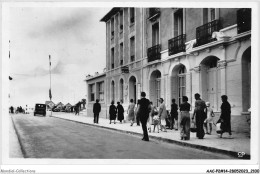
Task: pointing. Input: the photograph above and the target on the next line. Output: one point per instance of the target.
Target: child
(156, 121)
(209, 119)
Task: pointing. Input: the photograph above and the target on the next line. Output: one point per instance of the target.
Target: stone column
(222, 68)
(195, 83)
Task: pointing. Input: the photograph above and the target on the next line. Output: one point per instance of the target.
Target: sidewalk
(239, 143)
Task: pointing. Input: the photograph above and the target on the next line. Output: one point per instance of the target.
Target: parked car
(40, 109)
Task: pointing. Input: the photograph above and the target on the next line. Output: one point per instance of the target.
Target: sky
(75, 39)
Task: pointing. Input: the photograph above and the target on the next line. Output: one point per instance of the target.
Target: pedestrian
(143, 110)
(137, 118)
(131, 112)
(225, 116)
(185, 119)
(12, 109)
(151, 115)
(120, 112)
(162, 115)
(210, 116)
(112, 112)
(200, 116)
(174, 115)
(156, 122)
(76, 109)
(96, 110)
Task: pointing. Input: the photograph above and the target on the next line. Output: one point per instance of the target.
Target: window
(181, 83)
(132, 15)
(158, 91)
(92, 92)
(122, 91)
(212, 14)
(132, 49)
(113, 90)
(209, 14)
(121, 53)
(112, 58)
(178, 23)
(112, 28)
(155, 34)
(121, 26)
(101, 91)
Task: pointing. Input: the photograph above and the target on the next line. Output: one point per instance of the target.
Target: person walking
(185, 119)
(210, 116)
(200, 115)
(112, 112)
(151, 115)
(225, 116)
(96, 110)
(143, 110)
(162, 114)
(12, 109)
(174, 115)
(120, 112)
(131, 112)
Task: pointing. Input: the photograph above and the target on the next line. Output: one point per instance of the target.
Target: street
(48, 137)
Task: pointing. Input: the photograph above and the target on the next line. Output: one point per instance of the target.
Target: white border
(197, 165)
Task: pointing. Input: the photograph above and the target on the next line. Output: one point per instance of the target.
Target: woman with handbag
(185, 119)
(225, 116)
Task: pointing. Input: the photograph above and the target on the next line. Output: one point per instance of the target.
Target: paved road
(48, 137)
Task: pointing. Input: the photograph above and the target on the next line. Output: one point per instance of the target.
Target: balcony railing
(243, 20)
(154, 53)
(154, 12)
(204, 32)
(177, 44)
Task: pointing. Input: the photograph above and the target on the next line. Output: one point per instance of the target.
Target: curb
(19, 139)
(206, 148)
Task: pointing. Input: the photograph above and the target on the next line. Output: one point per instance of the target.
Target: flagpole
(50, 95)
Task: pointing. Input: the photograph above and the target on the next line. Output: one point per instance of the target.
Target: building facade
(96, 86)
(172, 52)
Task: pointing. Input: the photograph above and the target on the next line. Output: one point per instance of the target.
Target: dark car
(40, 109)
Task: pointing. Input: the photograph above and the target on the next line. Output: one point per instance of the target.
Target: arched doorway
(121, 92)
(210, 81)
(112, 90)
(246, 80)
(178, 83)
(155, 87)
(132, 88)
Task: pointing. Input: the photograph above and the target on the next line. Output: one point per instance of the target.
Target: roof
(112, 12)
(48, 102)
(97, 76)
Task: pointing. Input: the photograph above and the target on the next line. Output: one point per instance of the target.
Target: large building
(172, 52)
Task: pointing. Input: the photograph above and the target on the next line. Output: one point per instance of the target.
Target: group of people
(147, 114)
(19, 109)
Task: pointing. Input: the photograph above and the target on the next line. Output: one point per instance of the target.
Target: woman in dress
(200, 114)
(131, 112)
(225, 116)
(120, 112)
(162, 115)
(185, 119)
(112, 112)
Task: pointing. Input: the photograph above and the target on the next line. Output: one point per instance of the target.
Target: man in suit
(96, 110)
(143, 110)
